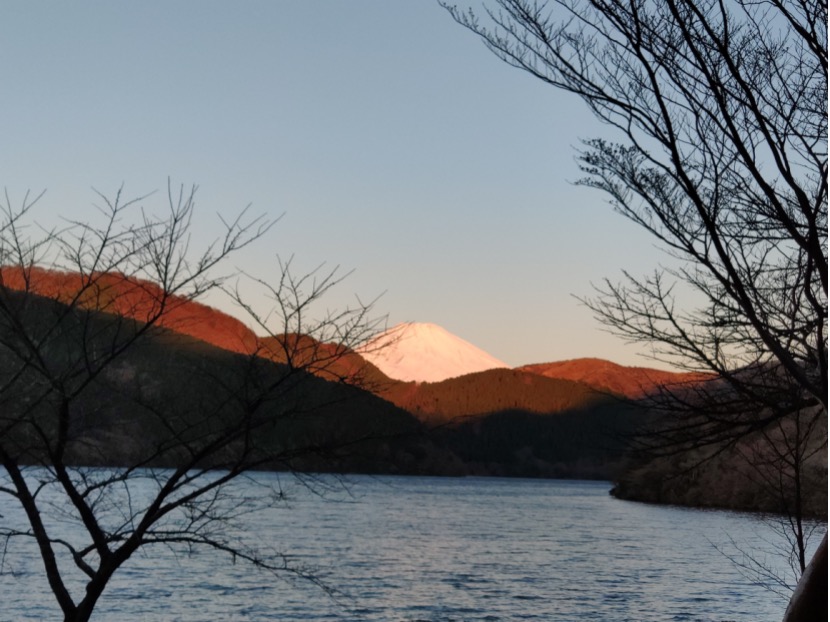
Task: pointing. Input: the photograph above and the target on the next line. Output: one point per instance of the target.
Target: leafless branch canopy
(721, 106)
(84, 311)
(723, 110)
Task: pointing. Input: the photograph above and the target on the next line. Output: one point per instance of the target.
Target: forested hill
(755, 474)
(567, 419)
(514, 423)
(608, 377)
(169, 398)
(197, 357)
(491, 391)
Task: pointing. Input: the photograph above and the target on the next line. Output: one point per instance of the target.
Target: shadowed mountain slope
(500, 400)
(511, 423)
(168, 398)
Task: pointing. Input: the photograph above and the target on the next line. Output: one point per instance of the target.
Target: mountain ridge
(137, 299)
(633, 382)
(562, 419)
(425, 352)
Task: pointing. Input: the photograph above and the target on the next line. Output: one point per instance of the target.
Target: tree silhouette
(129, 430)
(722, 109)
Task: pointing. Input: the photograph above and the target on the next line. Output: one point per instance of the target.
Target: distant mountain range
(408, 352)
(424, 352)
(434, 403)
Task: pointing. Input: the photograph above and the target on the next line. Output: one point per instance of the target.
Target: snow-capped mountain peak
(425, 352)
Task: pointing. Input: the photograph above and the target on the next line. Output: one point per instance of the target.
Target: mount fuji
(424, 352)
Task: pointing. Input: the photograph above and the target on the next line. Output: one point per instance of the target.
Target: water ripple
(441, 550)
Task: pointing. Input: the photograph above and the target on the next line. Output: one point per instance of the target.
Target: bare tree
(782, 463)
(89, 430)
(722, 110)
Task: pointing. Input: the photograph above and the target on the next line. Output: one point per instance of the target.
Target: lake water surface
(430, 549)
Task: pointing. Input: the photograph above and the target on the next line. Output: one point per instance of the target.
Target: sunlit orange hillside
(488, 392)
(328, 360)
(631, 382)
(139, 300)
(136, 299)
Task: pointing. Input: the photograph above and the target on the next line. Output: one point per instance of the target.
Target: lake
(439, 549)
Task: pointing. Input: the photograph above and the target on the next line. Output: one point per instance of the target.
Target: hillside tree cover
(721, 107)
(89, 375)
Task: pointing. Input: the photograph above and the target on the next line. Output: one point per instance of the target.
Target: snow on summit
(425, 352)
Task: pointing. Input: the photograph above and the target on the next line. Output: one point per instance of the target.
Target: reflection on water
(444, 549)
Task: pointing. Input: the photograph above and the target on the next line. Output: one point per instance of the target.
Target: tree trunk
(809, 601)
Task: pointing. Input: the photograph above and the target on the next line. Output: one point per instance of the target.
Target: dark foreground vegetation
(735, 478)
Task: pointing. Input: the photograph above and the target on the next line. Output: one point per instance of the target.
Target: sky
(387, 139)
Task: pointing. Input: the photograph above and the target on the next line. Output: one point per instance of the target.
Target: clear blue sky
(392, 140)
